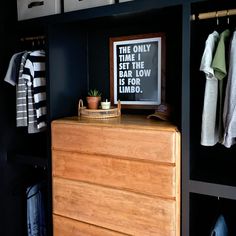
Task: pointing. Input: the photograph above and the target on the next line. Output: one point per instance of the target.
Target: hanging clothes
(220, 65)
(36, 210)
(209, 130)
(229, 110)
(11, 76)
(26, 71)
(220, 228)
(34, 74)
(21, 96)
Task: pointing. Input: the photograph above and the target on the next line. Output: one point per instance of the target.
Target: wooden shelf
(217, 190)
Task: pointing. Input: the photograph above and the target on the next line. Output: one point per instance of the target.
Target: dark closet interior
(211, 168)
(81, 48)
(204, 211)
(218, 159)
(77, 49)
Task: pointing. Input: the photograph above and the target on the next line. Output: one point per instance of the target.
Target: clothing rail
(42, 37)
(214, 14)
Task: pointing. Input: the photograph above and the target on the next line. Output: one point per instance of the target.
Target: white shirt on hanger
(209, 132)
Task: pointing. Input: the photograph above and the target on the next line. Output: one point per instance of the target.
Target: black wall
(11, 207)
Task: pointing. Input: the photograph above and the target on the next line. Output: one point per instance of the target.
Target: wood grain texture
(124, 121)
(117, 210)
(67, 227)
(151, 145)
(178, 182)
(128, 181)
(143, 177)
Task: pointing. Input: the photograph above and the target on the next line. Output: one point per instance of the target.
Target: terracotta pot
(93, 102)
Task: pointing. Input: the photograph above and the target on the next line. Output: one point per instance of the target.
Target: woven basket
(98, 113)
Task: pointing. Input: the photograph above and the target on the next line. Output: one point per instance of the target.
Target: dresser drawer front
(155, 145)
(143, 177)
(67, 227)
(113, 209)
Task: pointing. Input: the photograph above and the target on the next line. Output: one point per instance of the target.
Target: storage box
(72, 5)
(28, 9)
(125, 0)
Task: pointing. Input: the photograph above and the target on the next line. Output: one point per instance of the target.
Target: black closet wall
(11, 219)
(23, 157)
(77, 49)
(81, 49)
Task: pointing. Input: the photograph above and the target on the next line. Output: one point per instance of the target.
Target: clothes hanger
(227, 17)
(217, 19)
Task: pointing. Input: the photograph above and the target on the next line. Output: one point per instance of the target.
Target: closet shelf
(111, 10)
(217, 190)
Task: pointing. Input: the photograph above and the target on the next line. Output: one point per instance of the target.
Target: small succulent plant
(94, 93)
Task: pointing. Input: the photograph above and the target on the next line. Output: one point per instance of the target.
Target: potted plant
(93, 99)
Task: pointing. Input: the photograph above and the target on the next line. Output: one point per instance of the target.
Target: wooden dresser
(115, 177)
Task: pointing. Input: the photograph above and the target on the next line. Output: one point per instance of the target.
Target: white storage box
(28, 9)
(72, 5)
(125, 0)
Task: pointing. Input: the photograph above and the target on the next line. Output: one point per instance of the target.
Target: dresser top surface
(124, 121)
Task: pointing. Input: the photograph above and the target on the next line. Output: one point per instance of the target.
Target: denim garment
(220, 228)
(35, 211)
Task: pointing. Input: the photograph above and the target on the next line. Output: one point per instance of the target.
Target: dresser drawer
(117, 210)
(68, 227)
(144, 177)
(154, 145)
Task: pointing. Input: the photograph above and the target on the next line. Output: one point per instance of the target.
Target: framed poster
(137, 70)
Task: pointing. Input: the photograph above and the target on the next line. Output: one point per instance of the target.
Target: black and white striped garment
(21, 96)
(34, 73)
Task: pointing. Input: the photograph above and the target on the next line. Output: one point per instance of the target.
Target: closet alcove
(214, 164)
(81, 48)
(206, 209)
(211, 168)
(27, 156)
(77, 46)
(77, 49)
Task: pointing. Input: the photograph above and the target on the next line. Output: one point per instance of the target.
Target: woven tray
(98, 113)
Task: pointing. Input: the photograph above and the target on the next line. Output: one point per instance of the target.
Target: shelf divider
(212, 189)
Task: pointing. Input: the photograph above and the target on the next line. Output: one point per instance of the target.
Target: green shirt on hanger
(219, 65)
(219, 61)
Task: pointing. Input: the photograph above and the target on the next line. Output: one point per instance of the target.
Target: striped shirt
(34, 74)
(21, 96)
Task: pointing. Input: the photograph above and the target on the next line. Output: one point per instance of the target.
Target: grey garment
(36, 211)
(220, 227)
(32, 119)
(209, 131)
(21, 96)
(229, 111)
(11, 76)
